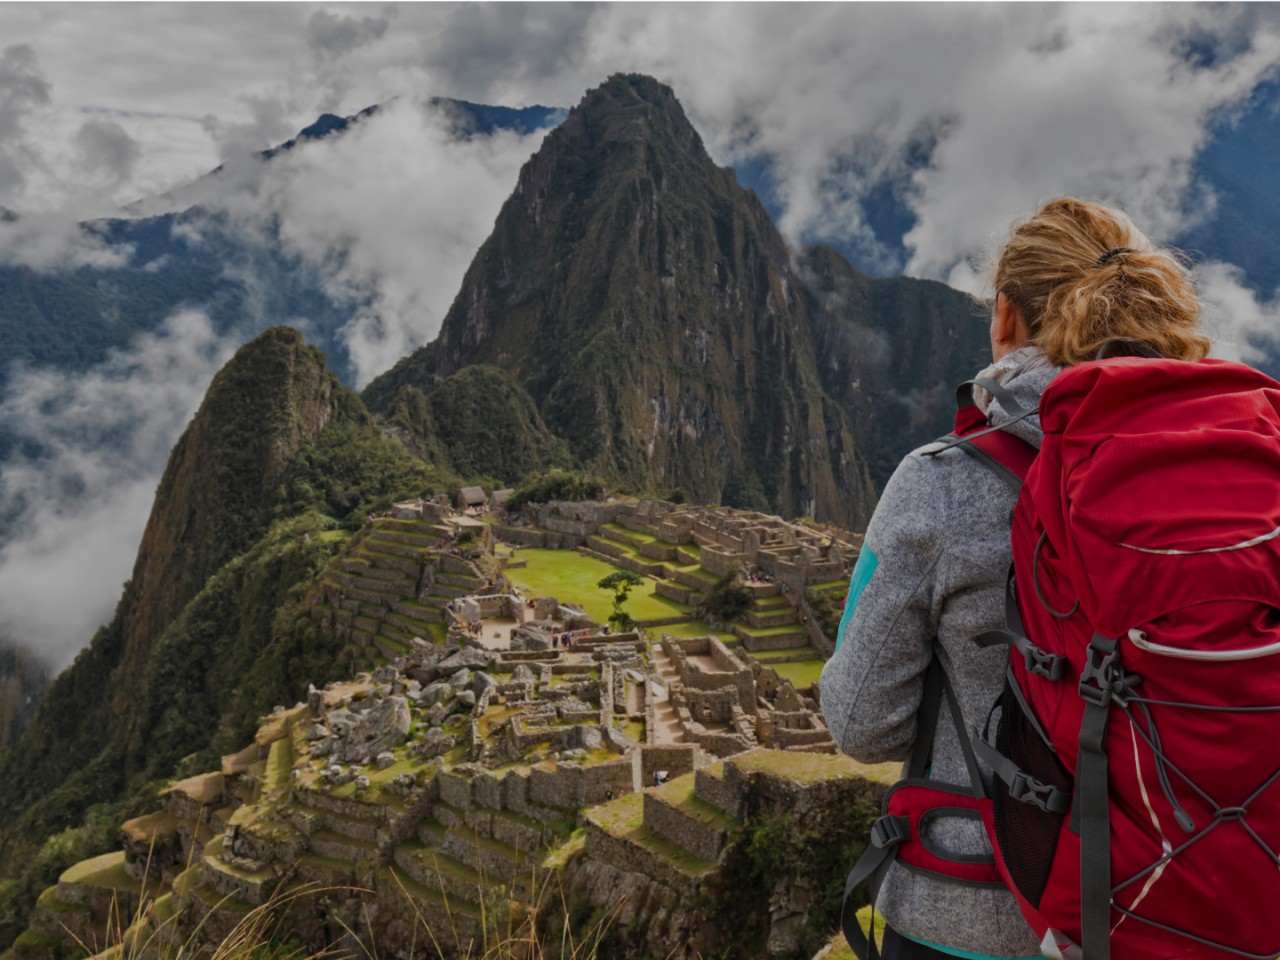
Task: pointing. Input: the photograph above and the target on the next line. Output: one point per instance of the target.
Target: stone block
(455, 790)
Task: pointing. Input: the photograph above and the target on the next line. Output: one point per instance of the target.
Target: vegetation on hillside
(814, 854)
(556, 485)
(480, 422)
(725, 602)
(279, 455)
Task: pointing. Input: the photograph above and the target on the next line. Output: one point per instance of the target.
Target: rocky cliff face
(649, 306)
(891, 353)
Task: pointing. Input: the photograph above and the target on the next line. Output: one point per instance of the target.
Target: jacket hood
(1024, 373)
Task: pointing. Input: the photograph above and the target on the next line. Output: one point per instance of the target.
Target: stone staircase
(771, 622)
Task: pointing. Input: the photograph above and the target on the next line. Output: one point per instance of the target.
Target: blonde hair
(1083, 274)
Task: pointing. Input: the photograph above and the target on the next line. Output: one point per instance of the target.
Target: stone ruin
(727, 704)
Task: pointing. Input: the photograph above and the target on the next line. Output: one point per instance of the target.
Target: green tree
(620, 583)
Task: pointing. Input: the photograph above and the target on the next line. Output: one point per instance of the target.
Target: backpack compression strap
(1007, 456)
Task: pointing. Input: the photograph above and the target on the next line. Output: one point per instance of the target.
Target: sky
(105, 104)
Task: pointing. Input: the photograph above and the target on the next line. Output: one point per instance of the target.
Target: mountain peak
(635, 107)
(648, 305)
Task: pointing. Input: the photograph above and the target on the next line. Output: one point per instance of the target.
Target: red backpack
(1137, 747)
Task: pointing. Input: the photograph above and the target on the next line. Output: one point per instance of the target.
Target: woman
(932, 571)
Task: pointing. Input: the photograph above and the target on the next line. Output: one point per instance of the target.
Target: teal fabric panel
(957, 952)
(863, 570)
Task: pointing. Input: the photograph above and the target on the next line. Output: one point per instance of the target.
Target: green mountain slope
(650, 308)
(212, 630)
(480, 422)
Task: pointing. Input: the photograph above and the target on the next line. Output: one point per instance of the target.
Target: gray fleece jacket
(937, 554)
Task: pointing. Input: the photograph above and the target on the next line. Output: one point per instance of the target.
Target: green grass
(558, 858)
(786, 628)
(630, 534)
(679, 793)
(49, 901)
(801, 673)
(106, 871)
(34, 939)
(570, 577)
(830, 585)
(279, 767)
(624, 819)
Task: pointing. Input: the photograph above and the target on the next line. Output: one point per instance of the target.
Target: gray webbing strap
(1007, 400)
(1092, 811)
(966, 745)
(888, 832)
(1021, 785)
(926, 723)
(875, 864)
(1037, 661)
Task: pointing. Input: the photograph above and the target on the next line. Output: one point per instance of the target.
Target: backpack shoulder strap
(1009, 457)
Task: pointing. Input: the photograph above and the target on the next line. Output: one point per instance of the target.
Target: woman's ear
(1009, 326)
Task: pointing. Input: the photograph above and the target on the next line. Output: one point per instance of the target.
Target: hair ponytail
(1083, 274)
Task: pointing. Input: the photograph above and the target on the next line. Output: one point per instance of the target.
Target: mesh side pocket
(1028, 836)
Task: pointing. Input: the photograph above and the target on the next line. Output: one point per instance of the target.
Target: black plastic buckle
(1030, 790)
(889, 831)
(1098, 674)
(1110, 680)
(1042, 664)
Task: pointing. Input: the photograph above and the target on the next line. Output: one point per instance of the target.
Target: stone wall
(736, 675)
(722, 562)
(533, 537)
(676, 759)
(694, 836)
(569, 786)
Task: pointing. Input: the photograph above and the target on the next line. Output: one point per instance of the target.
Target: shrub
(556, 485)
(727, 601)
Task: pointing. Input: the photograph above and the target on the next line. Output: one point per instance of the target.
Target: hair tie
(1111, 255)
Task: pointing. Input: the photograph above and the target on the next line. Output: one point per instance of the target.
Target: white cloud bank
(83, 500)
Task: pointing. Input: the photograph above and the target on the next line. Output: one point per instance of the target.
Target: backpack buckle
(1043, 795)
(889, 831)
(1101, 680)
(1098, 673)
(1042, 664)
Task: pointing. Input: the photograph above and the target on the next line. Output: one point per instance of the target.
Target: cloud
(95, 444)
(391, 212)
(265, 127)
(23, 91)
(107, 149)
(330, 36)
(1243, 328)
(1006, 106)
(46, 242)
